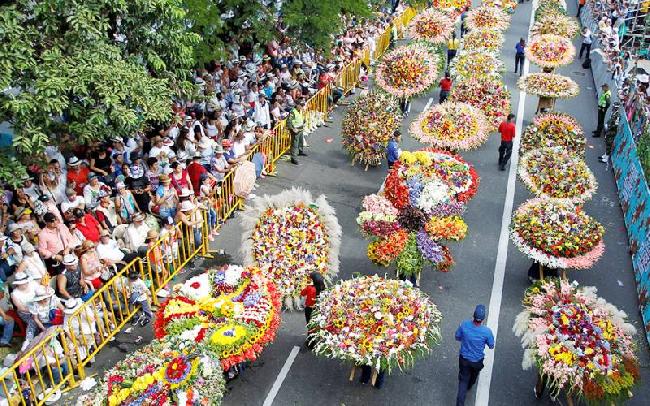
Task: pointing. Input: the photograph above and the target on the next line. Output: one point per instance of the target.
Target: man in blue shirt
(473, 338)
(392, 151)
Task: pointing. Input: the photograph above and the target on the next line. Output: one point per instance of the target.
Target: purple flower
(415, 186)
(429, 249)
(446, 209)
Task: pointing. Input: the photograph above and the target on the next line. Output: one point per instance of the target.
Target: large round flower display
(432, 26)
(557, 173)
(457, 126)
(289, 236)
(407, 71)
(550, 51)
(476, 63)
(382, 323)
(484, 17)
(554, 130)
(232, 311)
(548, 85)
(484, 39)
(368, 125)
(489, 95)
(556, 24)
(557, 233)
(580, 344)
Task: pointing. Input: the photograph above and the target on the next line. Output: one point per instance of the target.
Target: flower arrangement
(489, 95)
(431, 25)
(557, 233)
(508, 6)
(554, 129)
(453, 8)
(382, 323)
(407, 71)
(484, 39)
(548, 85)
(423, 198)
(476, 63)
(160, 374)
(493, 18)
(556, 173)
(457, 126)
(579, 343)
(232, 311)
(561, 25)
(550, 50)
(368, 125)
(550, 8)
(289, 236)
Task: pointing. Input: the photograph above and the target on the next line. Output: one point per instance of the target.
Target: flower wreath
(431, 25)
(408, 70)
(548, 85)
(550, 50)
(457, 126)
(554, 129)
(484, 17)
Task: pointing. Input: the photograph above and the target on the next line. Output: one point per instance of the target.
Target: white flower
(378, 315)
(434, 192)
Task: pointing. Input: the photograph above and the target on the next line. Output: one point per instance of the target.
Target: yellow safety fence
(59, 360)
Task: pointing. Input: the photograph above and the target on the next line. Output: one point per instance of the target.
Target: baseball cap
(479, 313)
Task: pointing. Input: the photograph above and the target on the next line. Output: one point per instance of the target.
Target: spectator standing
(392, 150)
(139, 295)
(587, 39)
(6, 321)
(473, 338)
(604, 100)
(507, 130)
(295, 125)
(54, 241)
(581, 4)
(452, 47)
(520, 56)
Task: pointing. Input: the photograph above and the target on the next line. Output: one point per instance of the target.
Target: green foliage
(91, 69)
(643, 150)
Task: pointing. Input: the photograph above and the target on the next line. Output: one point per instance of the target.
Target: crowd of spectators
(72, 225)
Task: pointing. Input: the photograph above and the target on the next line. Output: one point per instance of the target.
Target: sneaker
(145, 321)
(137, 320)
(295, 162)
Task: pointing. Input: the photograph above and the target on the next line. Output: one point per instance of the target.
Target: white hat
(70, 259)
(14, 227)
(73, 161)
(21, 278)
(71, 305)
(643, 78)
(52, 398)
(139, 216)
(42, 293)
(187, 206)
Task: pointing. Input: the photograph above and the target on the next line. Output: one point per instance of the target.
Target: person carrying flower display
(393, 151)
(473, 338)
(445, 87)
(452, 47)
(507, 130)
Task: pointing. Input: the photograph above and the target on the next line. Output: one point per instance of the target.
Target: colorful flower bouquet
(483, 39)
(289, 236)
(550, 51)
(554, 129)
(160, 374)
(489, 95)
(382, 323)
(556, 173)
(484, 17)
(508, 6)
(557, 233)
(368, 125)
(453, 8)
(550, 8)
(234, 312)
(423, 197)
(431, 25)
(407, 71)
(548, 85)
(563, 26)
(579, 343)
(456, 126)
(476, 64)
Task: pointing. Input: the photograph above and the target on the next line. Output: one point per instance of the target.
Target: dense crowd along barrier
(58, 359)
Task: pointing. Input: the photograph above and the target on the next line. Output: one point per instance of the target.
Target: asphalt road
(316, 381)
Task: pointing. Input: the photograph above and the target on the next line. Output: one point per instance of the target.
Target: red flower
(195, 285)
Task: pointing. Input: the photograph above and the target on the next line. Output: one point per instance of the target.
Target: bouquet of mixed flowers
(489, 95)
(423, 198)
(493, 18)
(289, 236)
(453, 8)
(160, 374)
(483, 39)
(550, 8)
(476, 63)
(431, 25)
(548, 85)
(579, 343)
(407, 71)
(555, 24)
(550, 50)
(457, 126)
(556, 173)
(368, 125)
(508, 6)
(557, 233)
(554, 129)
(232, 311)
(382, 323)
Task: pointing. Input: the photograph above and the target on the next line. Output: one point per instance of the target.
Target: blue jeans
(167, 212)
(56, 374)
(8, 330)
(197, 237)
(212, 218)
(467, 375)
(5, 270)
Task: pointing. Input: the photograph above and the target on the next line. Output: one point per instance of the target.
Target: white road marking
(428, 104)
(485, 379)
(281, 376)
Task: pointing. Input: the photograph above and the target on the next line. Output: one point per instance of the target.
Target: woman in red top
(87, 225)
(311, 292)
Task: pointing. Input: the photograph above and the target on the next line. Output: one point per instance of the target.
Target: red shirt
(91, 229)
(80, 177)
(310, 295)
(507, 131)
(445, 84)
(195, 170)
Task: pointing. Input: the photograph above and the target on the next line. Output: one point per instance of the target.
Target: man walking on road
(452, 48)
(473, 338)
(507, 130)
(296, 123)
(604, 100)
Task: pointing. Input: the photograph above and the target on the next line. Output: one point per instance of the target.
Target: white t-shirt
(78, 202)
(110, 251)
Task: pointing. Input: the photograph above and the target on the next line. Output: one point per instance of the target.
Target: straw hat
(164, 179)
(21, 278)
(151, 235)
(139, 216)
(71, 305)
(74, 161)
(187, 206)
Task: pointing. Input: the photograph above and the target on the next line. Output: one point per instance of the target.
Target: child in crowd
(208, 202)
(140, 295)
